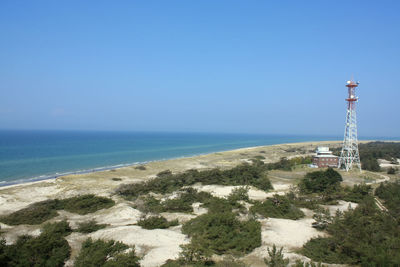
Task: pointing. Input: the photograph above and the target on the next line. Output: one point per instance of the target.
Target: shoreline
(123, 217)
(53, 178)
(43, 178)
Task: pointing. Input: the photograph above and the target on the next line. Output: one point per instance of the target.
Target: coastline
(44, 178)
(51, 178)
(156, 246)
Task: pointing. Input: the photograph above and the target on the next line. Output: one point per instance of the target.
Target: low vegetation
(89, 227)
(156, 222)
(101, 253)
(35, 213)
(42, 211)
(48, 249)
(226, 262)
(363, 236)
(182, 203)
(288, 164)
(245, 174)
(277, 207)
(166, 182)
(320, 181)
(390, 194)
(220, 233)
(371, 152)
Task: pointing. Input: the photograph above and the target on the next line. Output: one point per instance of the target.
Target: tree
(276, 258)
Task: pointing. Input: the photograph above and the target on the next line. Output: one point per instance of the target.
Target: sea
(27, 156)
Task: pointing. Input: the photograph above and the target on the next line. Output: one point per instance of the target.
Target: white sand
(159, 244)
(288, 233)
(254, 193)
(342, 206)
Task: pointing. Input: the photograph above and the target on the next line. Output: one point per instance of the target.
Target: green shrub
(357, 193)
(320, 181)
(363, 236)
(288, 164)
(48, 249)
(223, 232)
(35, 213)
(277, 207)
(42, 211)
(86, 204)
(182, 203)
(216, 205)
(148, 204)
(390, 193)
(391, 170)
(370, 152)
(89, 227)
(276, 258)
(116, 179)
(239, 194)
(105, 253)
(140, 167)
(156, 222)
(166, 182)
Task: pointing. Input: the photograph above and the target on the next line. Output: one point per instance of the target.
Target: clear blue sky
(203, 66)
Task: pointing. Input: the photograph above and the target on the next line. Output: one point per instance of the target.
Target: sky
(273, 67)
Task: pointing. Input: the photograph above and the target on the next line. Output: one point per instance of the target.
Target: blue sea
(36, 155)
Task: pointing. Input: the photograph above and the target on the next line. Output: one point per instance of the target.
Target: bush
(35, 213)
(183, 203)
(288, 164)
(390, 193)
(216, 205)
(363, 236)
(277, 207)
(86, 204)
(222, 232)
(105, 253)
(357, 193)
(156, 222)
(370, 152)
(391, 170)
(140, 167)
(320, 181)
(42, 211)
(166, 182)
(48, 249)
(239, 194)
(276, 258)
(89, 227)
(116, 179)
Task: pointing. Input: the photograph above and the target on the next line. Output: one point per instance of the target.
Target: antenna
(350, 156)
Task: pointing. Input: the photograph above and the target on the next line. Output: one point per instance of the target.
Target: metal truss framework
(350, 157)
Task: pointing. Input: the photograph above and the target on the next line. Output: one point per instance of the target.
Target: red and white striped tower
(350, 157)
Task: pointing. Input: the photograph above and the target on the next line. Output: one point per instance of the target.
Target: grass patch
(42, 211)
(277, 207)
(89, 227)
(156, 222)
(116, 179)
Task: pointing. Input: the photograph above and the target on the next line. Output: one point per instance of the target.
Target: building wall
(322, 162)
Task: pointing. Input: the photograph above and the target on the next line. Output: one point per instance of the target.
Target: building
(325, 158)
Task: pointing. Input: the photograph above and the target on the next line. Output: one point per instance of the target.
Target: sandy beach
(156, 246)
